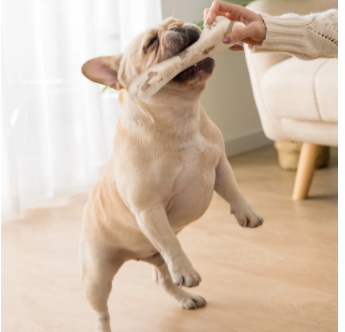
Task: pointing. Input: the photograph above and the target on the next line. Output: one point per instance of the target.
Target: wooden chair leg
(305, 170)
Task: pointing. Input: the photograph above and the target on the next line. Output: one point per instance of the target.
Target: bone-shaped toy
(209, 44)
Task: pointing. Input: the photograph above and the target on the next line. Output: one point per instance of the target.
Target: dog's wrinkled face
(155, 45)
(169, 39)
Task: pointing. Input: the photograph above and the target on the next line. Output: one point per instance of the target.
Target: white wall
(228, 99)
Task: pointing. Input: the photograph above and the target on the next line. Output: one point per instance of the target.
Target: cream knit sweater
(306, 37)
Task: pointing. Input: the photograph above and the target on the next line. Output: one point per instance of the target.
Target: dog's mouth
(201, 70)
(184, 38)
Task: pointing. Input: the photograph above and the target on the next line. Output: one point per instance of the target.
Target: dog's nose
(193, 34)
(190, 31)
(176, 29)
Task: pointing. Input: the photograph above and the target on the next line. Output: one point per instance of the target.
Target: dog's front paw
(246, 215)
(191, 301)
(184, 275)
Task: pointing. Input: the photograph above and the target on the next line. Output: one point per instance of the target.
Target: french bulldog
(168, 158)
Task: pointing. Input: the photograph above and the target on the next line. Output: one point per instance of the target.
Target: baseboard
(246, 143)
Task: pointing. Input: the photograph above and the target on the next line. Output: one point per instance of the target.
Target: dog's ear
(103, 70)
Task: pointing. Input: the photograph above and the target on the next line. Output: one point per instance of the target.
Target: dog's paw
(191, 301)
(102, 323)
(184, 275)
(246, 215)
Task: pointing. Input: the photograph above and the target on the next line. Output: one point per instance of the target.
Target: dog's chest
(194, 183)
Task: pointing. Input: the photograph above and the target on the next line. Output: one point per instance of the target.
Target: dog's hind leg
(162, 277)
(98, 272)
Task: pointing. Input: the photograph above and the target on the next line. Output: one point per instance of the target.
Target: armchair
(297, 100)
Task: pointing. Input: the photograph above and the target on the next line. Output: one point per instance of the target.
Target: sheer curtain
(57, 127)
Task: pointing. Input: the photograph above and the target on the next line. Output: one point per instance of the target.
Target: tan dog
(168, 158)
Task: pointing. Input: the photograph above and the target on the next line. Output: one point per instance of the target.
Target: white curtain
(57, 128)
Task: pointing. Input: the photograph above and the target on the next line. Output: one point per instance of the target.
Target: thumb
(240, 34)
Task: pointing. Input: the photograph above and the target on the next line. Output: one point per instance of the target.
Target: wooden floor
(280, 277)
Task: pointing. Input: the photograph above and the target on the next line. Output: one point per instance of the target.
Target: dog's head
(157, 44)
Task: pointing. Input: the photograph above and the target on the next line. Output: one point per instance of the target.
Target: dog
(168, 158)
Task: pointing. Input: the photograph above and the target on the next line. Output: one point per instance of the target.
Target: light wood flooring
(280, 277)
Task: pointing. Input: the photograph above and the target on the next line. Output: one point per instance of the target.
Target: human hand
(255, 31)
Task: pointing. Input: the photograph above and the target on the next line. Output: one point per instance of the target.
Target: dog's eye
(152, 41)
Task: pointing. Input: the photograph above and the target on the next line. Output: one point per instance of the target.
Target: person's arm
(306, 37)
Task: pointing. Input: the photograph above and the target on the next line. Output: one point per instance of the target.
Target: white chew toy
(210, 43)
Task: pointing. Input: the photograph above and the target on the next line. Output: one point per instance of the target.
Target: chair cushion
(302, 90)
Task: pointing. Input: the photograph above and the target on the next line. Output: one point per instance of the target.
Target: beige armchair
(297, 100)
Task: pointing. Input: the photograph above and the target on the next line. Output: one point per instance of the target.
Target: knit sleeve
(306, 37)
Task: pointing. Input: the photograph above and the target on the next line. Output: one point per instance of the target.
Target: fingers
(227, 15)
(206, 13)
(213, 11)
(233, 12)
(241, 34)
(236, 48)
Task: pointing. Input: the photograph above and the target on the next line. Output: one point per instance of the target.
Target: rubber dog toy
(209, 44)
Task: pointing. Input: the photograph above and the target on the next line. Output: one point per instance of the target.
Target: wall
(228, 99)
